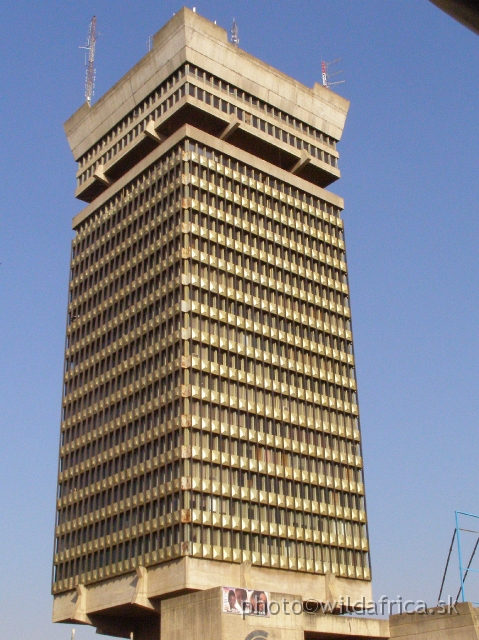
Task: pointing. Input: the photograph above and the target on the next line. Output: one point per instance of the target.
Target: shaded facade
(210, 426)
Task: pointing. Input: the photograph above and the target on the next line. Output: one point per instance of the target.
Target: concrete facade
(200, 614)
(210, 428)
(437, 624)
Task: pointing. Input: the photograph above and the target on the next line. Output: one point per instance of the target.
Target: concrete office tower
(210, 431)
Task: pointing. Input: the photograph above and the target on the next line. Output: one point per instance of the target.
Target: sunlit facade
(209, 408)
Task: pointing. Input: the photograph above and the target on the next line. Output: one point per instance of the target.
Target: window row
(282, 431)
(275, 456)
(165, 506)
(127, 123)
(163, 419)
(127, 324)
(136, 346)
(130, 549)
(156, 446)
(212, 504)
(246, 97)
(326, 558)
(278, 279)
(290, 488)
(275, 515)
(123, 491)
(329, 423)
(139, 266)
(258, 123)
(114, 408)
(255, 230)
(104, 442)
(101, 321)
(259, 181)
(102, 417)
(316, 325)
(256, 391)
(263, 338)
(159, 177)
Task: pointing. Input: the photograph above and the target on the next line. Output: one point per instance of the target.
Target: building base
(132, 602)
(206, 614)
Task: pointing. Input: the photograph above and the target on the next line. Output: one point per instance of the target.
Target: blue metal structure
(463, 571)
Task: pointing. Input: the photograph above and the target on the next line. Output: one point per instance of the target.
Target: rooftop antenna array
(235, 33)
(90, 61)
(149, 44)
(327, 76)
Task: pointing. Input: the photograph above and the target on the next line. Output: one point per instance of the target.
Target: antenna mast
(90, 62)
(235, 33)
(327, 76)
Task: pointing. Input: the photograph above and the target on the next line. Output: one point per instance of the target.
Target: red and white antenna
(327, 76)
(90, 61)
(324, 71)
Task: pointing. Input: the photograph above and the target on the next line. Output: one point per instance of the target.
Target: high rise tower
(210, 431)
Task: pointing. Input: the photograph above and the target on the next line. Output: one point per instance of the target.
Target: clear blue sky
(409, 158)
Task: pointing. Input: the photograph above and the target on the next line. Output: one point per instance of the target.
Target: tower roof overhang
(188, 37)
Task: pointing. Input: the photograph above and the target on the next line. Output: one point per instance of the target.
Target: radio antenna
(235, 33)
(327, 76)
(90, 61)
